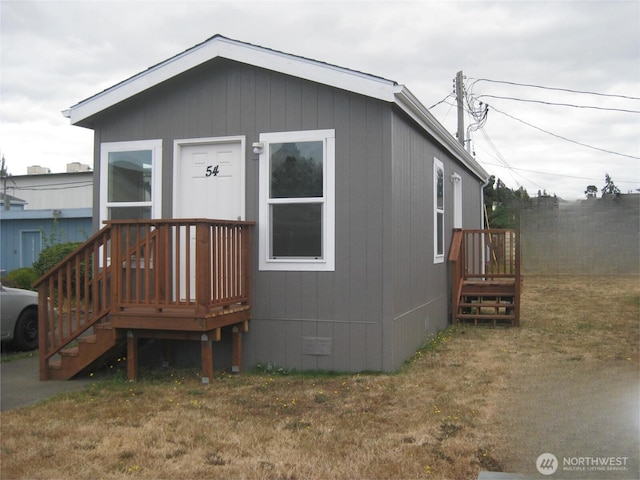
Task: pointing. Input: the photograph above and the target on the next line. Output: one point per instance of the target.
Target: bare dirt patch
(473, 399)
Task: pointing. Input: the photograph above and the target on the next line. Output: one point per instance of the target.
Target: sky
(585, 55)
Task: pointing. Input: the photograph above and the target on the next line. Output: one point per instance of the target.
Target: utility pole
(4, 174)
(460, 98)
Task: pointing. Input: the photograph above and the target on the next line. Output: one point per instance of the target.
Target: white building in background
(46, 191)
(37, 170)
(44, 206)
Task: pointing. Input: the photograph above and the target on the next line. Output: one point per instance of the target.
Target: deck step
(88, 349)
(479, 292)
(485, 316)
(103, 326)
(492, 322)
(70, 352)
(486, 305)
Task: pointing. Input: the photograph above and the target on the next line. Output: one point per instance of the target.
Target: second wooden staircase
(486, 277)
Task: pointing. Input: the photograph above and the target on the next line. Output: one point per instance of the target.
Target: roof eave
(222, 47)
(419, 113)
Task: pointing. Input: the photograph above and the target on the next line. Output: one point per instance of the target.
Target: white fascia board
(418, 112)
(307, 69)
(40, 214)
(253, 55)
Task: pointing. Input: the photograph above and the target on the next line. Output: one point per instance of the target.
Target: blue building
(40, 210)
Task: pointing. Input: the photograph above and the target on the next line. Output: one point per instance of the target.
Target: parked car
(19, 317)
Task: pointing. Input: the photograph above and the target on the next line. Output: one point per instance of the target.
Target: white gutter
(418, 112)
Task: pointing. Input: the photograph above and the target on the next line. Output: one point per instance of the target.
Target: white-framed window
(131, 180)
(438, 211)
(297, 201)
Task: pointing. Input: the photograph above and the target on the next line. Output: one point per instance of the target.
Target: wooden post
(236, 350)
(247, 257)
(206, 347)
(132, 356)
(203, 267)
(43, 315)
(116, 265)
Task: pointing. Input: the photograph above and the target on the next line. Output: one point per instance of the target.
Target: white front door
(209, 178)
(208, 183)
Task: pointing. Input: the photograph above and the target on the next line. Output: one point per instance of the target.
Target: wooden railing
(74, 296)
(456, 259)
(192, 264)
(178, 263)
(484, 255)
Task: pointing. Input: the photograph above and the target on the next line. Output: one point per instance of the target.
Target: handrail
(72, 296)
(196, 265)
(491, 253)
(456, 258)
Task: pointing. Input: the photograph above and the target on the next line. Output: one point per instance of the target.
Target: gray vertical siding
(342, 306)
(385, 294)
(420, 286)
(471, 200)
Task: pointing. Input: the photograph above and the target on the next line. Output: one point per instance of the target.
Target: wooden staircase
(173, 279)
(486, 280)
(88, 350)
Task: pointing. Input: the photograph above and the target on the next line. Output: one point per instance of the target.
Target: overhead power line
(53, 186)
(511, 170)
(476, 80)
(551, 133)
(563, 138)
(562, 175)
(559, 104)
(441, 101)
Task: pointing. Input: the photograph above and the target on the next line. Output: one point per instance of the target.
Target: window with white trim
(297, 198)
(130, 180)
(438, 211)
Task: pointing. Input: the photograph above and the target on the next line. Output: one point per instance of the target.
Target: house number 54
(211, 170)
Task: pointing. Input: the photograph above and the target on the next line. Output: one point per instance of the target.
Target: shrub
(21, 278)
(52, 255)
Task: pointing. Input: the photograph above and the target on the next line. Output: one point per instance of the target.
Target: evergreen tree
(503, 204)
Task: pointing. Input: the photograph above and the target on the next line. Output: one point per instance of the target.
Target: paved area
(584, 417)
(20, 384)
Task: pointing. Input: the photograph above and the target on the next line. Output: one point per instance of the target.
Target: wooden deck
(486, 277)
(180, 279)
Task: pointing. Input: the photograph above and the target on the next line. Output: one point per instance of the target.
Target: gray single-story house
(354, 188)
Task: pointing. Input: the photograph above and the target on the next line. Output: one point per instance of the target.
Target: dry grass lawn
(441, 417)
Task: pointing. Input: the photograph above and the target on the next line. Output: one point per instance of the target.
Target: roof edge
(42, 214)
(222, 47)
(408, 102)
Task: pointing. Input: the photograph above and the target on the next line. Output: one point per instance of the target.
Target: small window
(297, 201)
(438, 211)
(130, 187)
